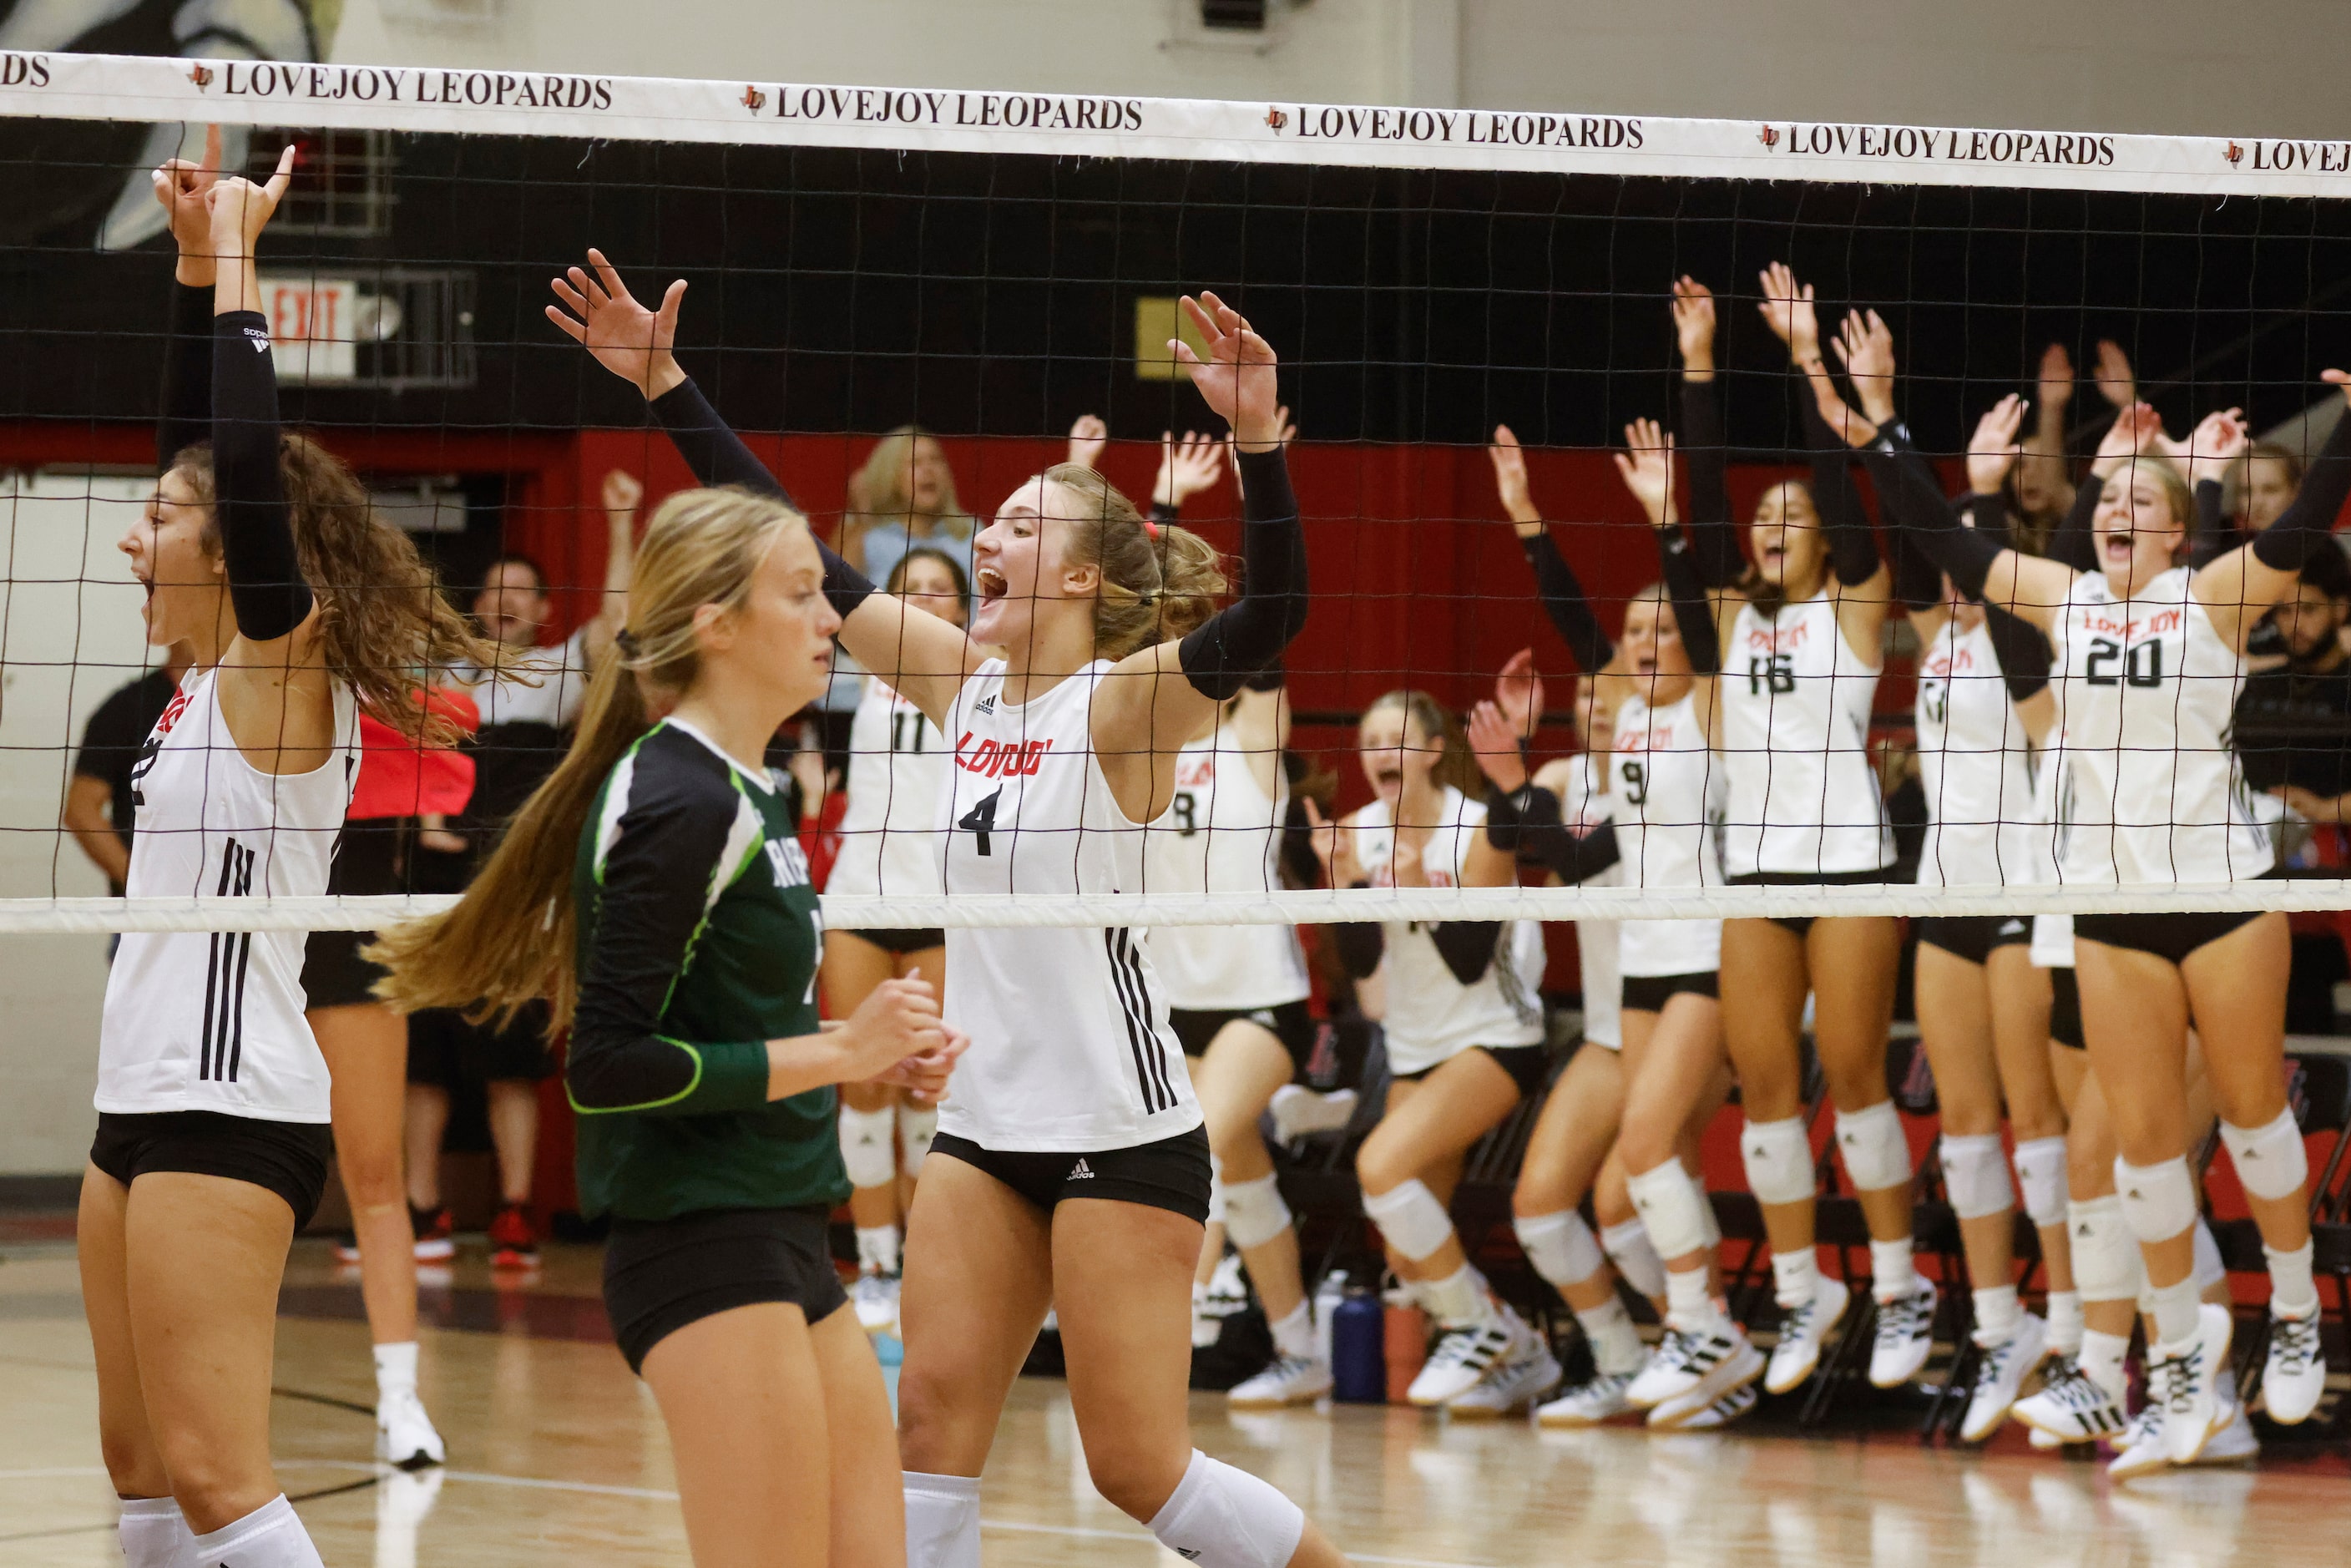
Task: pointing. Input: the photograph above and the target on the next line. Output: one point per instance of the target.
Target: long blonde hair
(1456, 764)
(881, 491)
(512, 938)
(1158, 581)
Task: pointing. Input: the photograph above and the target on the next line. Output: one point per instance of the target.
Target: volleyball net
(1003, 271)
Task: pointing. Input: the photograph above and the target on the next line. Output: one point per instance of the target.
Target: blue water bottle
(1359, 1368)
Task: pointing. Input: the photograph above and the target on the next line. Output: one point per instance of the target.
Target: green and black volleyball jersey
(698, 941)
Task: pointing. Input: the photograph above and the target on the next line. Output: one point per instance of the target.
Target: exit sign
(313, 326)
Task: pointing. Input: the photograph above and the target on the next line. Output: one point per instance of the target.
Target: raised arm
(1646, 466)
(1187, 467)
(1714, 539)
(924, 658)
(1562, 596)
(184, 189)
(623, 494)
(1788, 309)
(2239, 586)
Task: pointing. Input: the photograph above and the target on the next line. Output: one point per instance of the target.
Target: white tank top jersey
(1221, 835)
(1666, 793)
(1432, 1017)
(201, 1021)
(1600, 974)
(1975, 763)
(1795, 729)
(889, 839)
(1071, 1052)
(2152, 790)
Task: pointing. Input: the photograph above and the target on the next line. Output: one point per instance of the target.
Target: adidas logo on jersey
(984, 705)
(1080, 1172)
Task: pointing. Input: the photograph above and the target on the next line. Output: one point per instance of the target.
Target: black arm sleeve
(1713, 537)
(265, 574)
(1693, 615)
(1563, 601)
(1852, 544)
(1911, 493)
(2213, 535)
(2074, 544)
(717, 456)
(1360, 944)
(2309, 519)
(187, 416)
(656, 883)
(1529, 824)
(1165, 515)
(2023, 652)
(1467, 946)
(1250, 632)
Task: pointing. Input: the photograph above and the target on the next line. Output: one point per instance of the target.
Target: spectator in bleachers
(2293, 723)
(99, 801)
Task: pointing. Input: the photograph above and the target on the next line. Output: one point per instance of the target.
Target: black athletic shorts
(1973, 937)
(446, 1051)
(1171, 1174)
(2170, 937)
(1528, 1065)
(368, 862)
(661, 1275)
(1801, 924)
(1650, 993)
(1288, 1022)
(290, 1158)
(900, 942)
(2065, 1008)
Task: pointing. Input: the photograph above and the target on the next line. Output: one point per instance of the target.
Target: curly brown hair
(385, 627)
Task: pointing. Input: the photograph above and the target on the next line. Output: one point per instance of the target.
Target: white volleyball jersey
(1795, 727)
(1432, 1017)
(199, 1020)
(1975, 763)
(1666, 793)
(1071, 1052)
(897, 766)
(2152, 790)
(1600, 971)
(1221, 835)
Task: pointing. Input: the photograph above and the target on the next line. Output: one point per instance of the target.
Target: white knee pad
(1975, 1175)
(866, 1146)
(1779, 1160)
(917, 1125)
(2270, 1161)
(1672, 1207)
(2105, 1256)
(1875, 1154)
(1705, 1208)
(1627, 1245)
(1561, 1246)
(1254, 1212)
(1411, 1219)
(941, 1520)
(2210, 1270)
(2158, 1200)
(1220, 1517)
(2040, 1172)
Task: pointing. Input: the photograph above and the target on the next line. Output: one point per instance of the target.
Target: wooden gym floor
(557, 1457)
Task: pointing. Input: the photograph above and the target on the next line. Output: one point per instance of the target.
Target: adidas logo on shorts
(2012, 927)
(1080, 1172)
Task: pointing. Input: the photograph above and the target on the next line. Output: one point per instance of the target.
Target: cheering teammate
(2150, 657)
(212, 1098)
(897, 770)
(1076, 1173)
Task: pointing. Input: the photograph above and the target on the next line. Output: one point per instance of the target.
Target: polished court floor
(557, 1457)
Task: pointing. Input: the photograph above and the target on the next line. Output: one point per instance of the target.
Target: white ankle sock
(1616, 1343)
(1689, 1302)
(2293, 1294)
(1294, 1334)
(395, 1369)
(2101, 1361)
(941, 1520)
(2065, 1322)
(155, 1533)
(2177, 1311)
(1998, 1313)
(1458, 1301)
(271, 1536)
(1796, 1277)
(1893, 1274)
(877, 1248)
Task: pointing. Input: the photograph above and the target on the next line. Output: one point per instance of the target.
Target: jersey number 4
(981, 819)
(2141, 667)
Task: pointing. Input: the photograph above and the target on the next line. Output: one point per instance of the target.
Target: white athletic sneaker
(1588, 1403)
(2142, 1449)
(2042, 1442)
(2232, 1442)
(2070, 1407)
(875, 1297)
(1803, 1330)
(1290, 1380)
(1298, 1111)
(1463, 1356)
(1689, 1372)
(2182, 1378)
(1226, 1293)
(1721, 1413)
(1515, 1383)
(2296, 1375)
(403, 1432)
(1906, 1336)
(2000, 1372)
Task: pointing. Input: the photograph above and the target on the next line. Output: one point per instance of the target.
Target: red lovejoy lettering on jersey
(995, 759)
